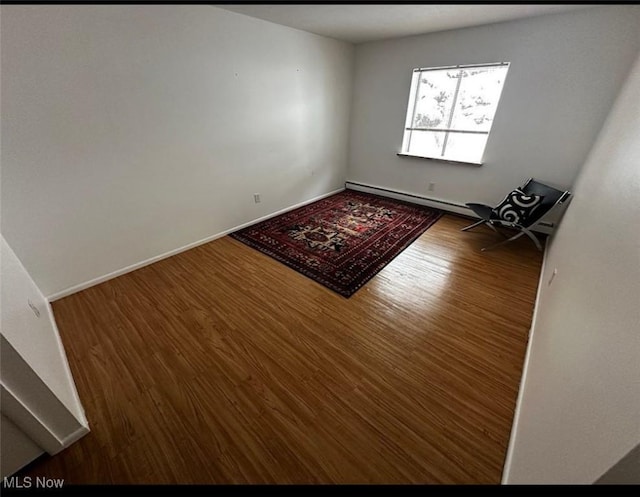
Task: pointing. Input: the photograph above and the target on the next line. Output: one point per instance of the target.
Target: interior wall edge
(67, 369)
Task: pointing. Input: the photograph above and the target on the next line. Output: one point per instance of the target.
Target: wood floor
(221, 365)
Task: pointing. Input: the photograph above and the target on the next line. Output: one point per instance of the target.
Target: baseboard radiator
(444, 205)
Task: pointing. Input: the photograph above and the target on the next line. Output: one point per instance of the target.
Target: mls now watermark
(29, 482)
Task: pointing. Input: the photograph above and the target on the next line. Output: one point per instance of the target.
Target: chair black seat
(551, 197)
(481, 210)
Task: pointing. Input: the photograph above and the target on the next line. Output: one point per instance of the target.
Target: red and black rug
(341, 241)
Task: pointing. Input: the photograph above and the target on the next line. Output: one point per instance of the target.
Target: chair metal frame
(485, 212)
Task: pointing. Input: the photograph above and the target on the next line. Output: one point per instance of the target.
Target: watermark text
(31, 482)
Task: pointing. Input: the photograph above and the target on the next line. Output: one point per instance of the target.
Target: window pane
(425, 143)
(465, 147)
(434, 99)
(412, 97)
(478, 97)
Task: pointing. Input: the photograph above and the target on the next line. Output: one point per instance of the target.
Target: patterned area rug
(341, 241)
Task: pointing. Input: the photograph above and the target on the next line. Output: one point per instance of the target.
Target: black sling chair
(512, 213)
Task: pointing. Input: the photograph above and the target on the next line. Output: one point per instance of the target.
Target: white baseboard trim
(114, 274)
(516, 415)
(436, 203)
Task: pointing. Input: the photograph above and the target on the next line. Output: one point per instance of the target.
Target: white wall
(565, 72)
(131, 131)
(579, 411)
(35, 338)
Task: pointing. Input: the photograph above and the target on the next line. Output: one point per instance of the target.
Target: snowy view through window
(451, 110)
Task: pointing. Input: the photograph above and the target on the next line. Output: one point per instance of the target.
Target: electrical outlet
(256, 198)
(34, 308)
(432, 186)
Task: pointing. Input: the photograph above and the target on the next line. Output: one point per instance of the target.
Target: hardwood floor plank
(221, 365)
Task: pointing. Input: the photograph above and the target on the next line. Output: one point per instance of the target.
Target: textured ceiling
(361, 23)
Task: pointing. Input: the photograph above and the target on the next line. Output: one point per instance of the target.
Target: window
(451, 110)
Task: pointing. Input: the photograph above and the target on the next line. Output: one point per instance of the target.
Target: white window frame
(411, 110)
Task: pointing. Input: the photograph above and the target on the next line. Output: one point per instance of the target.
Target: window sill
(440, 160)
